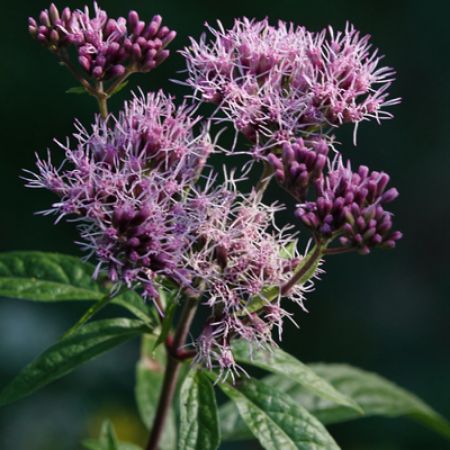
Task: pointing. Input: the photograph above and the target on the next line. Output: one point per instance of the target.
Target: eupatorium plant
(203, 266)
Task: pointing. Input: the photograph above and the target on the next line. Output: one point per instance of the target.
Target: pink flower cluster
(125, 183)
(106, 48)
(276, 82)
(240, 260)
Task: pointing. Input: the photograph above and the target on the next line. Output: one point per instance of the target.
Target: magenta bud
(97, 72)
(100, 60)
(149, 65)
(113, 48)
(136, 51)
(110, 27)
(396, 236)
(154, 25)
(139, 28)
(32, 30)
(54, 13)
(133, 19)
(163, 55)
(54, 37)
(117, 71)
(44, 18)
(41, 38)
(85, 63)
(66, 14)
(390, 195)
(169, 38)
(274, 161)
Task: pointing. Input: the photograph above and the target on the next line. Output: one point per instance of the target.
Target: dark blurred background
(387, 312)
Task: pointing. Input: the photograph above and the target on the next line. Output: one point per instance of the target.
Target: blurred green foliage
(387, 312)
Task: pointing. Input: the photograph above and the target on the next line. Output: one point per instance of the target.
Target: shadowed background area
(387, 312)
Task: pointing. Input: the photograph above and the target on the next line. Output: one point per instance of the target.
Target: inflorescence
(151, 211)
(106, 48)
(276, 83)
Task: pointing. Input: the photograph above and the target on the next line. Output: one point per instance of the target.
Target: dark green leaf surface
(46, 277)
(53, 277)
(70, 352)
(277, 421)
(278, 361)
(199, 425)
(376, 396)
(149, 380)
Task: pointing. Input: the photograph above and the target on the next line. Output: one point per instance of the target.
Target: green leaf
(76, 90)
(278, 361)
(94, 309)
(288, 252)
(70, 352)
(52, 277)
(108, 440)
(376, 395)
(149, 380)
(199, 425)
(277, 421)
(45, 277)
(258, 302)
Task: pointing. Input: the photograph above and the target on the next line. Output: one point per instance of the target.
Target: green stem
(119, 81)
(102, 99)
(102, 105)
(311, 261)
(73, 70)
(172, 372)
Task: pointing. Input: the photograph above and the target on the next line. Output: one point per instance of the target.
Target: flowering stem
(102, 99)
(172, 372)
(85, 83)
(311, 262)
(111, 90)
(338, 250)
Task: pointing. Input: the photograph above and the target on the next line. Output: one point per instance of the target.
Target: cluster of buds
(300, 165)
(106, 48)
(129, 193)
(351, 206)
(276, 82)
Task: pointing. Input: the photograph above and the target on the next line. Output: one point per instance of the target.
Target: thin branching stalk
(172, 372)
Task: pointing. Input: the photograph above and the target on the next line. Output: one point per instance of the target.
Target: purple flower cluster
(351, 206)
(106, 48)
(125, 182)
(276, 82)
(136, 186)
(240, 259)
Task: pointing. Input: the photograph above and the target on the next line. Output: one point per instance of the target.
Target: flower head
(276, 82)
(351, 205)
(106, 47)
(239, 259)
(125, 183)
